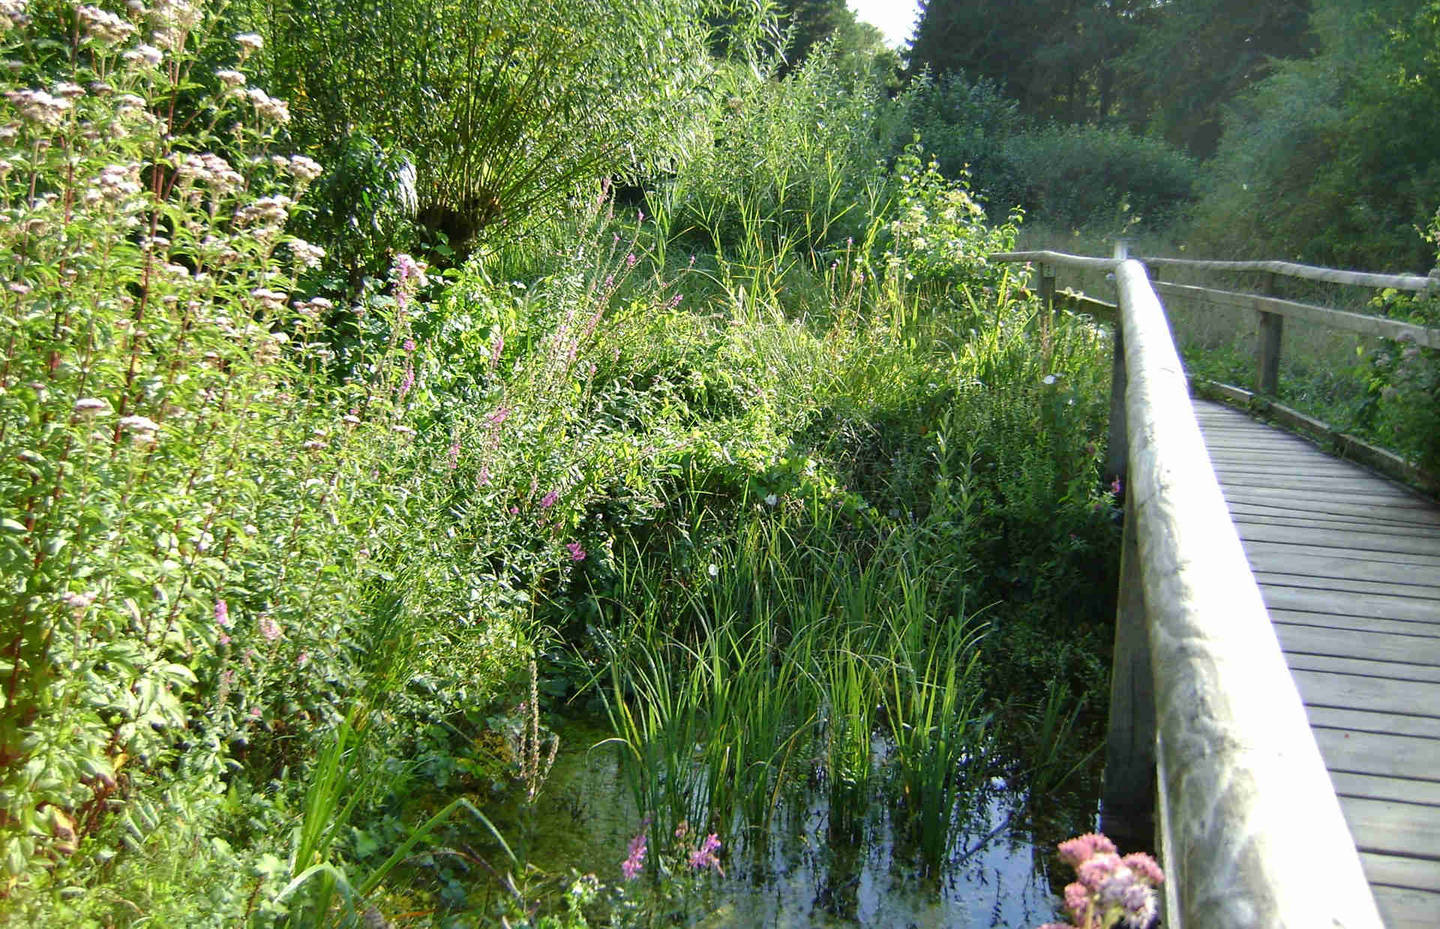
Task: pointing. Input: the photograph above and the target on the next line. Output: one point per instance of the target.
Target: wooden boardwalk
(1349, 567)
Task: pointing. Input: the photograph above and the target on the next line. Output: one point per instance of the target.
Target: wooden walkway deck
(1349, 567)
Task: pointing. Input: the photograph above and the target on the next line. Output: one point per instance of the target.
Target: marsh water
(1000, 870)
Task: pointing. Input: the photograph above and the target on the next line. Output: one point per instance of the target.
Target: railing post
(1117, 444)
(1128, 803)
(1267, 347)
(1047, 307)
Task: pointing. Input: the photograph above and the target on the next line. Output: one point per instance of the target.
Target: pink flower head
(576, 552)
(675, 301)
(630, 260)
(409, 345)
(1098, 869)
(484, 479)
(269, 628)
(222, 614)
(549, 499)
(632, 865)
(497, 348)
(1145, 867)
(640, 216)
(514, 511)
(704, 856)
(1076, 850)
(1077, 900)
(499, 416)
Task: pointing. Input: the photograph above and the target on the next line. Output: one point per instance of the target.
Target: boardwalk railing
(1271, 313)
(1207, 728)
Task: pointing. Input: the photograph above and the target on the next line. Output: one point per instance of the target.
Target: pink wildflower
(1145, 866)
(704, 856)
(549, 499)
(1077, 900)
(484, 479)
(514, 511)
(499, 416)
(675, 301)
(497, 348)
(1076, 850)
(630, 260)
(269, 628)
(222, 613)
(576, 552)
(632, 865)
(454, 452)
(1098, 869)
(1116, 486)
(409, 345)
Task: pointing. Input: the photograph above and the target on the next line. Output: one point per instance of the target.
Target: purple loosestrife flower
(269, 628)
(704, 856)
(499, 416)
(549, 499)
(576, 552)
(632, 865)
(409, 345)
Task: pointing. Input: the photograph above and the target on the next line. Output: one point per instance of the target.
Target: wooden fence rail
(1207, 727)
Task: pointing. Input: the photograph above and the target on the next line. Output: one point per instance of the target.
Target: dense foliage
(290, 529)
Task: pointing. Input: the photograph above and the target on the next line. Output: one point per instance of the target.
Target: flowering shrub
(1110, 890)
(940, 232)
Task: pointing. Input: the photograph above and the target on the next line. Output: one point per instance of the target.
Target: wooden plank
(1325, 514)
(1401, 515)
(1376, 694)
(1390, 827)
(1323, 620)
(1300, 479)
(1385, 724)
(1360, 545)
(1408, 506)
(1329, 582)
(1403, 908)
(1353, 643)
(1313, 559)
(1342, 525)
(1275, 516)
(1413, 282)
(1395, 871)
(1342, 603)
(1379, 754)
(1348, 784)
(1378, 669)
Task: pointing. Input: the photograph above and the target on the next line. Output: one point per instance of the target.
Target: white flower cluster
(231, 78)
(172, 20)
(39, 107)
(272, 300)
(209, 170)
(12, 15)
(306, 254)
(268, 107)
(265, 211)
(116, 184)
(104, 27)
(301, 168)
(144, 55)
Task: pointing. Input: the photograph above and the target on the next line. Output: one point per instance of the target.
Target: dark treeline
(1316, 123)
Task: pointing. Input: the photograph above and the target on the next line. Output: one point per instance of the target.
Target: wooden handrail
(1377, 326)
(1206, 725)
(1412, 282)
(1255, 832)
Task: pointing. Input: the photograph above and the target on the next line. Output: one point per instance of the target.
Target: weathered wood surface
(1252, 832)
(1376, 326)
(1306, 272)
(1349, 567)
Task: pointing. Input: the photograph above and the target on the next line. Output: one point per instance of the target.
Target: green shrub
(1086, 176)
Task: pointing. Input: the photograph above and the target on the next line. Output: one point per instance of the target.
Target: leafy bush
(1090, 176)
(795, 161)
(503, 107)
(965, 126)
